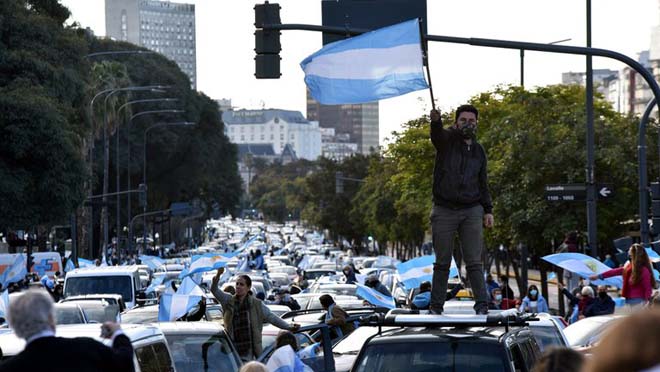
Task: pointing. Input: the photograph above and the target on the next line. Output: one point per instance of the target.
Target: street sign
(576, 192)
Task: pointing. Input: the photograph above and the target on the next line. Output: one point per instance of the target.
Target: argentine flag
(172, 306)
(206, 262)
(413, 273)
(374, 297)
(583, 266)
(4, 304)
(82, 263)
(16, 272)
(153, 262)
(376, 65)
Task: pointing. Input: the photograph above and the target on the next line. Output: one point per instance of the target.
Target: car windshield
(547, 337)
(117, 284)
(311, 275)
(201, 353)
(68, 315)
(451, 355)
(100, 312)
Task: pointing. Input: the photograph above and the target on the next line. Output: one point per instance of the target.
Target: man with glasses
(461, 203)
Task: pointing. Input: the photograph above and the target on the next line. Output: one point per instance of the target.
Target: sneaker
(435, 311)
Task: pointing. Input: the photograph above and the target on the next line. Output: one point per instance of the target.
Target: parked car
(121, 280)
(112, 299)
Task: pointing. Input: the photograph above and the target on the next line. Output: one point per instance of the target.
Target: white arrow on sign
(604, 192)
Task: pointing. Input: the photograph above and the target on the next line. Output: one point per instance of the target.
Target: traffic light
(339, 182)
(267, 42)
(142, 195)
(655, 206)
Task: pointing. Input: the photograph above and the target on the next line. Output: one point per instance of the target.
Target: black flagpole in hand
(425, 60)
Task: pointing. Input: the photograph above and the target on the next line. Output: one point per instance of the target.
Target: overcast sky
(225, 42)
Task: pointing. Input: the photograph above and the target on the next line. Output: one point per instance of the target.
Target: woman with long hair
(638, 280)
(534, 301)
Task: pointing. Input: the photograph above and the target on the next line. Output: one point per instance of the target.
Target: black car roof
(422, 334)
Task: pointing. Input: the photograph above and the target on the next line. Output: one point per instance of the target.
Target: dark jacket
(600, 307)
(460, 179)
(72, 354)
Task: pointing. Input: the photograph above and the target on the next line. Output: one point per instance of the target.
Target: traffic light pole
(549, 48)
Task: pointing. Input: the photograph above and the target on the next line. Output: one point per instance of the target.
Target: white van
(122, 280)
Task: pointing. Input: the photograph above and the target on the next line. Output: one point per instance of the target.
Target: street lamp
(522, 60)
(117, 157)
(106, 152)
(144, 167)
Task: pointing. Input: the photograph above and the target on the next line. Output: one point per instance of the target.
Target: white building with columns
(275, 127)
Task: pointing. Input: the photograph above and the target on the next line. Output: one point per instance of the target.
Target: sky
(225, 43)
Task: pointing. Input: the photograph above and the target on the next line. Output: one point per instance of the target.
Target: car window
(547, 337)
(163, 356)
(147, 359)
(518, 359)
(68, 315)
(202, 353)
(140, 317)
(450, 355)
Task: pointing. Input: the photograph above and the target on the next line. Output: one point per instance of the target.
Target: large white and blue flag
(206, 262)
(16, 272)
(380, 64)
(82, 263)
(153, 262)
(172, 306)
(413, 273)
(584, 266)
(653, 255)
(374, 297)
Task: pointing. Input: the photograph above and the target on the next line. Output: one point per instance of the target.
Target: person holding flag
(244, 316)
(461, 203)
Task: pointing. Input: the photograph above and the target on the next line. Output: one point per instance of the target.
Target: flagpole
(425, 57)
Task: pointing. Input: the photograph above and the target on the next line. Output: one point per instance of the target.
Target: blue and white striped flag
(16, 272)
(413, 273)
(82, 263)
(374, 297)
(376, 65)
(583, 266)
(152, 261)
(207, 262)
(172, 306)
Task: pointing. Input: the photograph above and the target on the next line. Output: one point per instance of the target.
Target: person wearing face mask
(602, 305)
(534, 302)
(461, 203)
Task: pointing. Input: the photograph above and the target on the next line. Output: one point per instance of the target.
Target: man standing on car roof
(461, 203)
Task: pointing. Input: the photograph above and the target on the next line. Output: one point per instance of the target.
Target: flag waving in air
(376, 65)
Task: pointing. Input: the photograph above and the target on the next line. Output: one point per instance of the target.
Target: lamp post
(118, 221)
(522, 60)
(106, 153)
(144, 168)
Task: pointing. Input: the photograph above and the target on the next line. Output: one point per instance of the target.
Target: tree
(41, 123)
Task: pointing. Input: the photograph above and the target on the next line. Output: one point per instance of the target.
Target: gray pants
(468, 223)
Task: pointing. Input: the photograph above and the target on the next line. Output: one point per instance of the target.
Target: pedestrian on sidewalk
(461, 203)
(638, 280)
(534, 302)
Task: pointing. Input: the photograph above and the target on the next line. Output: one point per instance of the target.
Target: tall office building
(162, 26)
(359, 122)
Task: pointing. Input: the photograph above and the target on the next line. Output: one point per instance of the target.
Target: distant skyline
(225, 42)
